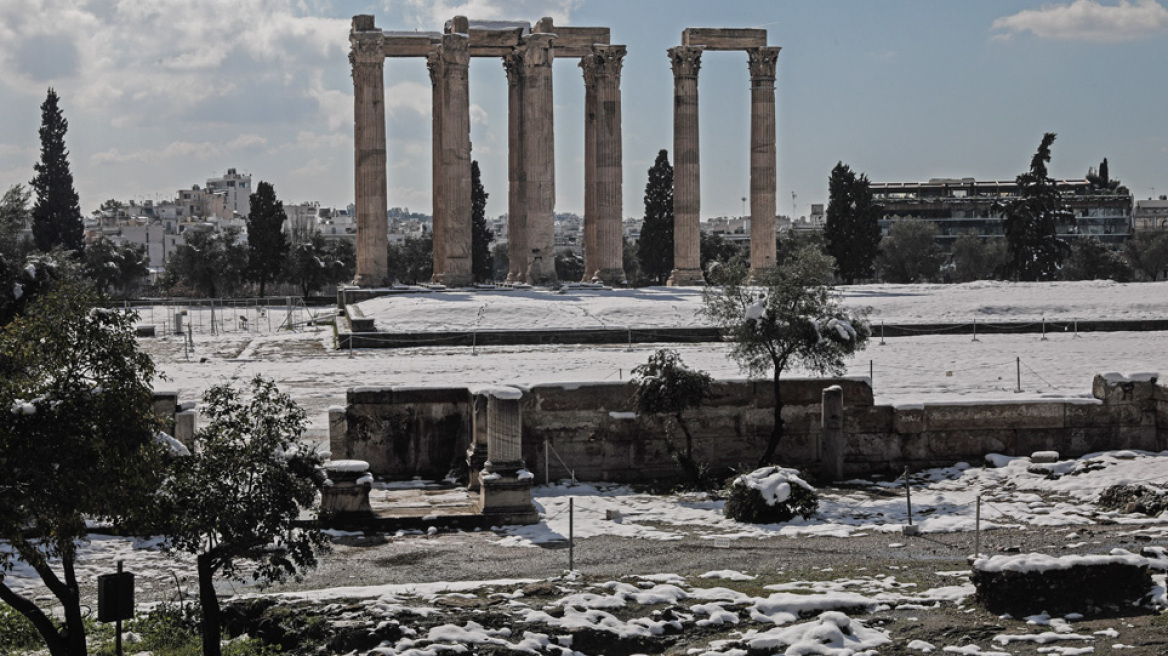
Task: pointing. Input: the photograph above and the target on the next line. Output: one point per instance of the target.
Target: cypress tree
(267, 246)
(655, 248)
(852, 233)
(482, 265)
(1030, 222)
(56, 217)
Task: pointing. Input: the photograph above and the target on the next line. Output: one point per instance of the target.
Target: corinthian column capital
(761, 62)
(455, 50)
(434, 64)
(604, 61)
(537, 51)
(366, 43)
(686, 60)
(513, 65)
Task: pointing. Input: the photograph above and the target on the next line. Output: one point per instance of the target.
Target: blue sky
(163, 94)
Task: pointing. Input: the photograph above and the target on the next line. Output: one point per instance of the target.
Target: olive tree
(77, 444)
(665, 386)
(790, 317)
(234, 502)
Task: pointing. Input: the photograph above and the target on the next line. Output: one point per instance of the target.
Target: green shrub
(770, 495)
(173, 630)
(17, 634)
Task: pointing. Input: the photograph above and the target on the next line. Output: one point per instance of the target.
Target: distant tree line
(1029, 250)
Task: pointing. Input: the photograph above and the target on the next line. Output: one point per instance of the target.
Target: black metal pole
(118, 621)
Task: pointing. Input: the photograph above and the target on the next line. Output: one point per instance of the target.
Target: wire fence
(219, 316)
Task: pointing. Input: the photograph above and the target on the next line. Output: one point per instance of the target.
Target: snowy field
(925, 369)
(984, 301)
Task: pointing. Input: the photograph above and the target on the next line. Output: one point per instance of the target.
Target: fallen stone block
(1130, 499)
(1033, 583)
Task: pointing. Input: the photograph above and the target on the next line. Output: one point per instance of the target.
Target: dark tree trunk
(53, 640)
(71, 601)
(210, 604)
(686, 460)
(777, 431)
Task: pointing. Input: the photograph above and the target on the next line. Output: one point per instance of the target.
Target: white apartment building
(236, 188)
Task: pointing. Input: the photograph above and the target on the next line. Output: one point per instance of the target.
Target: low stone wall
(404, 432)
(590, 431)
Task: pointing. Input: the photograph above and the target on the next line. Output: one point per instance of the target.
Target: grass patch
(17, 634)
(169, 630)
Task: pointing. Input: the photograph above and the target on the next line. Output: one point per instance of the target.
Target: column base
(366, 280)
(611, 277)
(757, 275)
(686, 278)
(508, 498)
(540, 274)
(453, 279)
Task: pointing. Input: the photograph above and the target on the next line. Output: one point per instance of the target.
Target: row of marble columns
(531, 159)
(686, 62)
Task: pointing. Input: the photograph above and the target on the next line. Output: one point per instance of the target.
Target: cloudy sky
(162, 94)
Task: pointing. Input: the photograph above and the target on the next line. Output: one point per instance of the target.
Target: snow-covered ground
(984, 301)
(1014, 494)
(925, 369)
(779, 611)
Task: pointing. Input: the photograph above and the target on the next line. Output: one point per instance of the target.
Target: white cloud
(433, 14)
(151, 61)
(1088, 20)
(205, 150)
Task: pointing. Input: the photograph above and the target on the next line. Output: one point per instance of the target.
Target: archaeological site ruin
(527, 53)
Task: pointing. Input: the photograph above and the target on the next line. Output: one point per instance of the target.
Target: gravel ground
(476, 556)
(926, 562)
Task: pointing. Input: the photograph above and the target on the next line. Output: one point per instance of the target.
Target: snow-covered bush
(770, 495)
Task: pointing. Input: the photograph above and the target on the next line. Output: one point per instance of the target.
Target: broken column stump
(1034, 583)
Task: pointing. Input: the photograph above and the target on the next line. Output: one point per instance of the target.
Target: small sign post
(115, 601)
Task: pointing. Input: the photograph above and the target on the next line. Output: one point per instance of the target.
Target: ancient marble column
(367, 57)
(437, 187)
(610, 166)
(606, 164)
(687, 195)
(591, 255)
(763, 179)
(454, 165)
(539, 159)
(517, 248)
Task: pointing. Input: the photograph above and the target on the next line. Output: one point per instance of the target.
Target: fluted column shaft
(517, 248)
(504, 433)
(539, 158)
(454, 164)
(763, 178)
(591, 256)
(687, 202)
(609, 168)
(367, 57)
(437, 181)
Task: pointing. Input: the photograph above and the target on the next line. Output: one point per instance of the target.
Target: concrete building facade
(961, 206)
